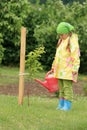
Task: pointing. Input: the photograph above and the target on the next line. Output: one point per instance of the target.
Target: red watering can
(50, 82)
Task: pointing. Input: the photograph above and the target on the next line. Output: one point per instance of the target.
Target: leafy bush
(1, 53)
(56, 12)
(41, 21)
(13, 14)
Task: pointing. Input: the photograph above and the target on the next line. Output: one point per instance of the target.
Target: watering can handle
(49, 72)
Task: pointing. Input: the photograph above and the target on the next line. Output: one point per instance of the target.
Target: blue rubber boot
(67, 105)
(61, 103)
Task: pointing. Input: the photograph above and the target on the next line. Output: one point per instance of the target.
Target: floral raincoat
(67, 61)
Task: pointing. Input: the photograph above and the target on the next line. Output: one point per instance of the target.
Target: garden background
(41, 21)
(40, 17)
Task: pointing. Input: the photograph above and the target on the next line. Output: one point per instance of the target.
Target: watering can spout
(42, 83)
(50, 82)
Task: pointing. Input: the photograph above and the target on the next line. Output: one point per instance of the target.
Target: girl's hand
(74, 73)
(52, 70)
(74, 76)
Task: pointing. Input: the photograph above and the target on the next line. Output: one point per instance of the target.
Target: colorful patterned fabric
(66, 61)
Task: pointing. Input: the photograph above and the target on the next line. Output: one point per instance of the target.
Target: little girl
(66, 64)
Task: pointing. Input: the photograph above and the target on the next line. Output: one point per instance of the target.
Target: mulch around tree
(35, 89)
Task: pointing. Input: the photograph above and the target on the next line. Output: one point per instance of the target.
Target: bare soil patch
(34, 89)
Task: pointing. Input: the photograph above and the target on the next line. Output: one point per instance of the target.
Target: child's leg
(68, 94)
(68, 91)
(61, 94)
(61, 91)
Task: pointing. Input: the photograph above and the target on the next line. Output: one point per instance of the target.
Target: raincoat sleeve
(75, 53)
(55, 61)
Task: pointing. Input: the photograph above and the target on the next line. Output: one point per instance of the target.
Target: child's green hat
(64, 28)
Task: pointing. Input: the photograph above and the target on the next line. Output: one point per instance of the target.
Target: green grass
(10, 75)
(41, 114)
(82, 77)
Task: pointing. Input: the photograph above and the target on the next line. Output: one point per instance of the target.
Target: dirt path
(37, 90)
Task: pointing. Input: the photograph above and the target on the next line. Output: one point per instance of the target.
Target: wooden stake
(22, 65)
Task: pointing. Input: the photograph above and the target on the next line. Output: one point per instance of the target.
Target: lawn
(10, 75)
(41, 114)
